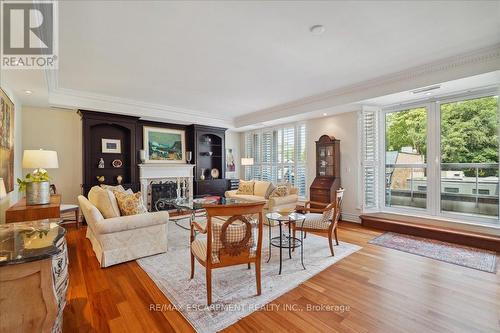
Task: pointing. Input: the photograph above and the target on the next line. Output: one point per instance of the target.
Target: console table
(33, 276)
(21, 212)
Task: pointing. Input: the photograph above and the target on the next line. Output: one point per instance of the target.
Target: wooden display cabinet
(327, 179)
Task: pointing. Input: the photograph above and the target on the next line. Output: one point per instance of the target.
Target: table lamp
(38, 185)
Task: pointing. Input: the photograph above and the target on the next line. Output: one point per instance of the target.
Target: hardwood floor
(384, 290)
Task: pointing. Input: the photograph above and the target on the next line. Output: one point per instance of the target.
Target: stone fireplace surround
(156, 173)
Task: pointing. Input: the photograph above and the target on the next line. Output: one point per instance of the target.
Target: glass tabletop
(28, 241)
(198, 204)
(285, 217)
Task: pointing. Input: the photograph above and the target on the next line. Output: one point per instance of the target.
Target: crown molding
(467, 64)
(68, 98)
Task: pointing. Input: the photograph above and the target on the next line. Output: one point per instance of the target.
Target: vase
(202, 176)
(37, 193)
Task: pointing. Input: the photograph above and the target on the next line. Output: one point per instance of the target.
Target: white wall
(14, 196)
(345, 128)
(59, 130)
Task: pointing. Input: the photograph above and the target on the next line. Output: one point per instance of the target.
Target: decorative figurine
(119, 179)
(100, 179)
(101, 163)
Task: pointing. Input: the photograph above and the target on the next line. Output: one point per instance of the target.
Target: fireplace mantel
(158, 172)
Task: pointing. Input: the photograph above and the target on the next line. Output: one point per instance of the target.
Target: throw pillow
(130, 204)
(104, 201)
(245, 187)
(260, 188)
(280, 191)
(113, 188)
(270, 190)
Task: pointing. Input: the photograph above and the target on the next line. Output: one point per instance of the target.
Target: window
(279, 155)
(405, 168)
(439, 158)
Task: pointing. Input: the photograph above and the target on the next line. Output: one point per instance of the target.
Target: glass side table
(286, 241)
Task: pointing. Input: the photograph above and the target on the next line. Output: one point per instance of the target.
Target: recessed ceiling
(231, 59)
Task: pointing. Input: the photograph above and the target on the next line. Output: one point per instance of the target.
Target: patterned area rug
(470, 257)
(233, 288)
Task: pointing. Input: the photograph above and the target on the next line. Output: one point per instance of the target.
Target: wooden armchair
(322, 220)
(230, 240)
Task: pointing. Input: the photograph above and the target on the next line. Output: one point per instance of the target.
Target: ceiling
(231, 60)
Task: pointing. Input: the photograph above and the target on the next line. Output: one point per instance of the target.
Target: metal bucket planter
(37, 193)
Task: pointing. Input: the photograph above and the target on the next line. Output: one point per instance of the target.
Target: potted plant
(37, 187)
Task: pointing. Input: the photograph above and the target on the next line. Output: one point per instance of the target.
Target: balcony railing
(473, 189)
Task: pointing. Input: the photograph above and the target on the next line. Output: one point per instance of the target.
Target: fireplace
(165, 181)
(163, 190)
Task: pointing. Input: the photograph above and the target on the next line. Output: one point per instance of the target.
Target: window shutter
(300, 179)
(369, 128)
(249, 153)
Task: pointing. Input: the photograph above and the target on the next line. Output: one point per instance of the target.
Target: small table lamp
(247, 161)
(38, 193)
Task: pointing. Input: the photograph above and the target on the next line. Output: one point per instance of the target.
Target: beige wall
(14, 196)
(59, 130)
(345, 128)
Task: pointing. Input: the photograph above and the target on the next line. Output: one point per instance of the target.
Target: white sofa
(124, 238)
(272, 203)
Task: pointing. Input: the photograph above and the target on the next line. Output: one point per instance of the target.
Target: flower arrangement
(37, 176)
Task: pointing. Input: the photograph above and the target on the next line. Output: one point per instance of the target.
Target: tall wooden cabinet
(208, 146)
(327, 179)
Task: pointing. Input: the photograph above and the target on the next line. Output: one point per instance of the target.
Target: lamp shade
(247, 161)
(34, 159)
(3, 192)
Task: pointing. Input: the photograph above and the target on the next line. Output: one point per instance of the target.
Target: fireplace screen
(165, 190)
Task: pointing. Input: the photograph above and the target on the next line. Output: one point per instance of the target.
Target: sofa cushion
(130, 204)
(260, 188)
(113, 188)
(270, 190)
(104, 201)
(246, 187)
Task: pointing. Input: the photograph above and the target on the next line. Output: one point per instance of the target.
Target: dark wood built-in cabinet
(208, 146)
(98, 126)
(327, 179)
(206, 143)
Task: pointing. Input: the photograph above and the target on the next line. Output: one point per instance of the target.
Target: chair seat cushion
(199, 249)
(314, 221)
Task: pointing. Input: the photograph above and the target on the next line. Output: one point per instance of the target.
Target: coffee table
(284, 241)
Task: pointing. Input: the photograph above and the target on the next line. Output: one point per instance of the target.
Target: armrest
(230, 194)
(198, 227)
(122, 223)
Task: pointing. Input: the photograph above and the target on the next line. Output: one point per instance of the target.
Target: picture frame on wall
(164, 145)
(111, 146)
(7, 141)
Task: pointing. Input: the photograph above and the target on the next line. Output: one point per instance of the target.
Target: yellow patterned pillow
(280, 191)
(130, 204)
(246, 187)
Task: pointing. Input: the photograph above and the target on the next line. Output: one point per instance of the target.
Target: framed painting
(164, 145)
(7, 141)
(111, 146)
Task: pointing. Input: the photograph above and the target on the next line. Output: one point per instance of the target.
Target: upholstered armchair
(233, 237)
(322, 220)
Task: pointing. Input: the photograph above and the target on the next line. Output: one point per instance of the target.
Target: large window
(439, 158)
(405, 168)
(279, 155)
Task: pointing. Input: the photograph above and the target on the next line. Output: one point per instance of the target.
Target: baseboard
(350, 217)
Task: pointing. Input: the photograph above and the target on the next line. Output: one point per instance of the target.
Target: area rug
(466, 256)
(233, 288)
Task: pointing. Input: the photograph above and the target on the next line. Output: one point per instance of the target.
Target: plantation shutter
(300, 165)
(369, 158)
(267, 155)
(249, 148)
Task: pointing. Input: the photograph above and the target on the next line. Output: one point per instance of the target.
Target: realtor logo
(29, 35)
